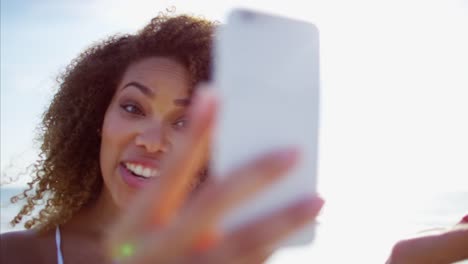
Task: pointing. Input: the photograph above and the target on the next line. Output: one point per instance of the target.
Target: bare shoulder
(15, 245)
(13, 242)
(21, 247)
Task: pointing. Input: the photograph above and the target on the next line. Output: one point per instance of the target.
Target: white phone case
(267, 74)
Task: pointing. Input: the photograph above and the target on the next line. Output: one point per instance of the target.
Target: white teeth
(141, 171)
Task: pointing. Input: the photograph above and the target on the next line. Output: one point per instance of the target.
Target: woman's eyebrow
(145, 90)
(148, 92)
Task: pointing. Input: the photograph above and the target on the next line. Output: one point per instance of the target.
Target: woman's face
(144, 120)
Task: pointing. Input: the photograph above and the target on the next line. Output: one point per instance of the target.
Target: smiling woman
(122, 173)
(125, 148)
(143, 121)
(120, 108)
(90, 99)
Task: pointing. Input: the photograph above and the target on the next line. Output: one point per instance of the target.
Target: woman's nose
(152, 139)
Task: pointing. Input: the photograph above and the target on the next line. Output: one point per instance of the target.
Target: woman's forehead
(157, 73)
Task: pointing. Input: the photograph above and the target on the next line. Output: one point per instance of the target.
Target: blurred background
(394, 110)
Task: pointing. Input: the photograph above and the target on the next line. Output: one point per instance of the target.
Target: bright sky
(394, 83)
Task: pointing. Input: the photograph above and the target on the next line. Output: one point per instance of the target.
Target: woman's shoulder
(11, 241)
(25, 247)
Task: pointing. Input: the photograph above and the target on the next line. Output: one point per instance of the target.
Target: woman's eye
(132, 109)
(180, 124)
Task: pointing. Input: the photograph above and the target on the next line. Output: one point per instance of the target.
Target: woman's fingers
(136, 233)
(256, 241)
(157, 203)
(265, 234)
(212, 202)
(186, 161)
(219, 197)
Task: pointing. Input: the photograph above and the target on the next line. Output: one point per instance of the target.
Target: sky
(394, 84)
(393, 75)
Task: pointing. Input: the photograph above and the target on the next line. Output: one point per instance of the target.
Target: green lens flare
(127, 250)
(124, 251)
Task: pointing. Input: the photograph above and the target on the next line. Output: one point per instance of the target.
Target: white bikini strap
(58, 244)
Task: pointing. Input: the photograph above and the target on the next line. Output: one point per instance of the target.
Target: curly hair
(67, 175)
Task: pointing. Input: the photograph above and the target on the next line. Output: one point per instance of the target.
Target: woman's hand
(444, 248)
(162, 226)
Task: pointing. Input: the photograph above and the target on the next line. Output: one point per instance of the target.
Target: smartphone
(266, 71)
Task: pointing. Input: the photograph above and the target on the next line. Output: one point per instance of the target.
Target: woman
(122, 170)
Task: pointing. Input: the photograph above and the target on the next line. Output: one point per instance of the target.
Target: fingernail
(312, 206)
(199, 101)
(204, 94)
(203, 100)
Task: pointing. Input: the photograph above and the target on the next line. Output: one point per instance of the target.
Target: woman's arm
(449, 247)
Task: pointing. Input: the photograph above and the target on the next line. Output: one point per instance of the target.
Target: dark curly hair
(67, 174)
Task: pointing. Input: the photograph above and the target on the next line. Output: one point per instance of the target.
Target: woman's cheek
(113, 139)
(119, 129)
(173, 137)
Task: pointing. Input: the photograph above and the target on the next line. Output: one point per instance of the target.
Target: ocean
(351, 229)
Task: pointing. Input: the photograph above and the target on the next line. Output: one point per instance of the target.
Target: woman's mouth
(137, 175)
(141, 171)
